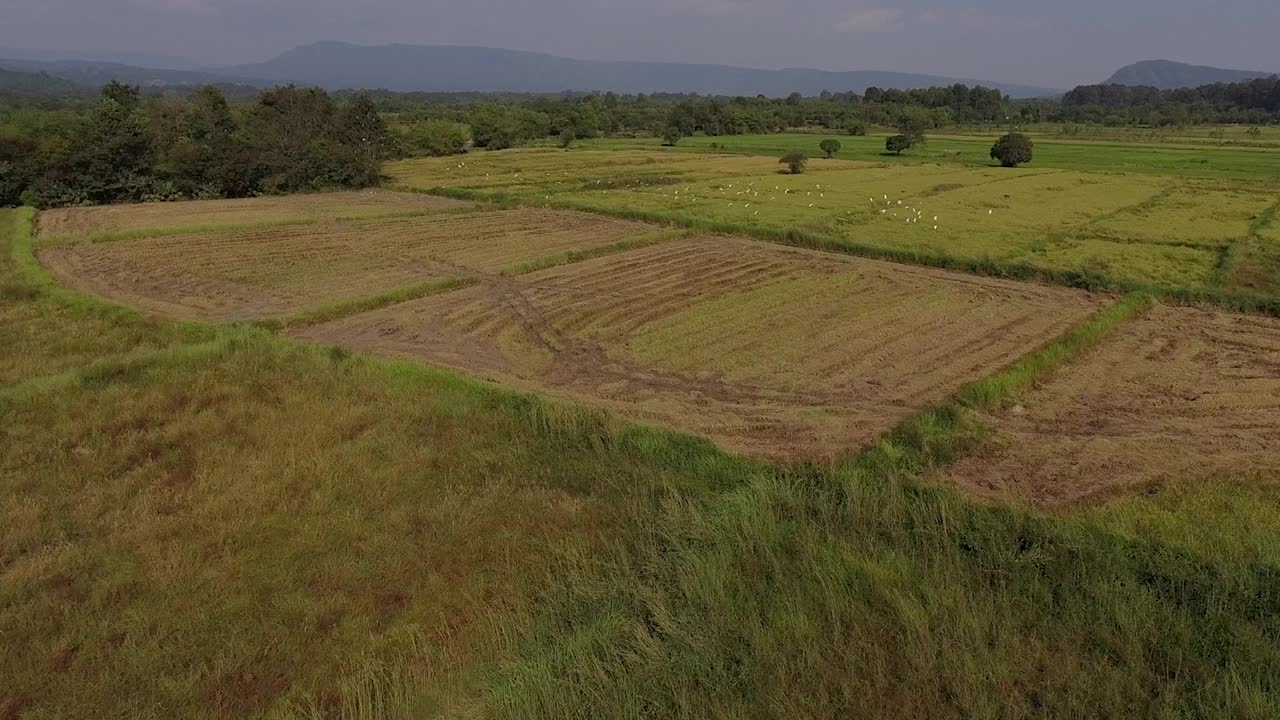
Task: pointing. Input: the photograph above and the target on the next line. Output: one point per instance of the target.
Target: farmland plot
(1178, 394)
(775, 352)
(276, 272)
(91, 221)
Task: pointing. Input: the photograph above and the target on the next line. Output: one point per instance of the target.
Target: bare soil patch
(90, 221)
(775, 352)
(275, 272)
(1180, 393)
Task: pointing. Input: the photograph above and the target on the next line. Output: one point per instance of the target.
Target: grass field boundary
(570, 257)
(395, 296)
(987, 267)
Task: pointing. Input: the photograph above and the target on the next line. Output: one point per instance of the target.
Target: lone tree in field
(671, 136)
(567, 136)
(1012, 150)
(830, 147)
(795, 162)
(897, 143)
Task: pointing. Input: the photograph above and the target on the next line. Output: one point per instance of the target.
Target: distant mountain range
(26, 85)
(1170, 75)
(442, 68)
(448, 68)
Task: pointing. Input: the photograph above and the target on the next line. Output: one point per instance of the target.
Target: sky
(1048, 43)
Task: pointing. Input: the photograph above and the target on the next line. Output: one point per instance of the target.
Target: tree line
(130, 148)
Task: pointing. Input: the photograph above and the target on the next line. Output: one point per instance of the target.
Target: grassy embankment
(259, 526)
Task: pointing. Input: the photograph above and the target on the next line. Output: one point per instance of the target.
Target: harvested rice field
(1178, 394)
(87, 222)
(775, 352)
(276, 272)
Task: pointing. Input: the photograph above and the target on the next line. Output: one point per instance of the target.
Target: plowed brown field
(275, 272)
(1180, 393)
(90, 221)
(776, 352)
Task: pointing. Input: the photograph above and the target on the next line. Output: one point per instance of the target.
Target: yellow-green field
(1083, 228)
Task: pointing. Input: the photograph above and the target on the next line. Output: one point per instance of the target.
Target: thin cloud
(870, 20)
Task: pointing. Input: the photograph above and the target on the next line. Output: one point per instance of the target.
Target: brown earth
(1178, 394)
(776, 352)
(275, 272)
(89, 221)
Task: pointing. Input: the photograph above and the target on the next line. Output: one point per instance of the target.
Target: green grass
(1158, 231)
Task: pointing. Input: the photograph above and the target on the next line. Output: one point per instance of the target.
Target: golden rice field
(86, 222)
(1124, 230)
(1178, 394)
(775, 352)
(275, 272)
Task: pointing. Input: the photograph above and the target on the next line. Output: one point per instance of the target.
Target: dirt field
(89, 221)
(1179, 393)
(775, 352)
(275, 272)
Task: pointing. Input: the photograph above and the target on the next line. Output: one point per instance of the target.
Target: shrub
(829, 147)
(896, 144)
(795, 162)
(1012, 150)
(671, 136)
(437, 138)
(856, 129)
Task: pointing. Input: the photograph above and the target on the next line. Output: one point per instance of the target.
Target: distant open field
(774, 352)
(88, 222)
(1177, 394)
(1121, 230)
(275, 272)
(1187, 160)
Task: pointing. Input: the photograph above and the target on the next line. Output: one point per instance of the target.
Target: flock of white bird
(749, 194)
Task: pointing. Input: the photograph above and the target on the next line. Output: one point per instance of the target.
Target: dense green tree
(1012, 150)
(897, 144)
(437, 138)
(362, 133)
(829, 147)
(795, 162)
(671, 136)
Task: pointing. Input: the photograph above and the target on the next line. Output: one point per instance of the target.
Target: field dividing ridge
(775, 352)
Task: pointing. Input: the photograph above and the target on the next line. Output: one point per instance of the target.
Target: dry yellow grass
(1180, 394)
(276, 272)
(775, 352)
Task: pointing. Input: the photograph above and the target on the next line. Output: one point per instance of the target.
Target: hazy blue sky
(1043, 42)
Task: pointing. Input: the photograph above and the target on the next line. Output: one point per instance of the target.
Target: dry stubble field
(246, 274)
(87, 222)
(1178, 394)
(775, 352)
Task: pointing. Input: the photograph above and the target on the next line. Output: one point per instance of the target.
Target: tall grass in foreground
(863, 592)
